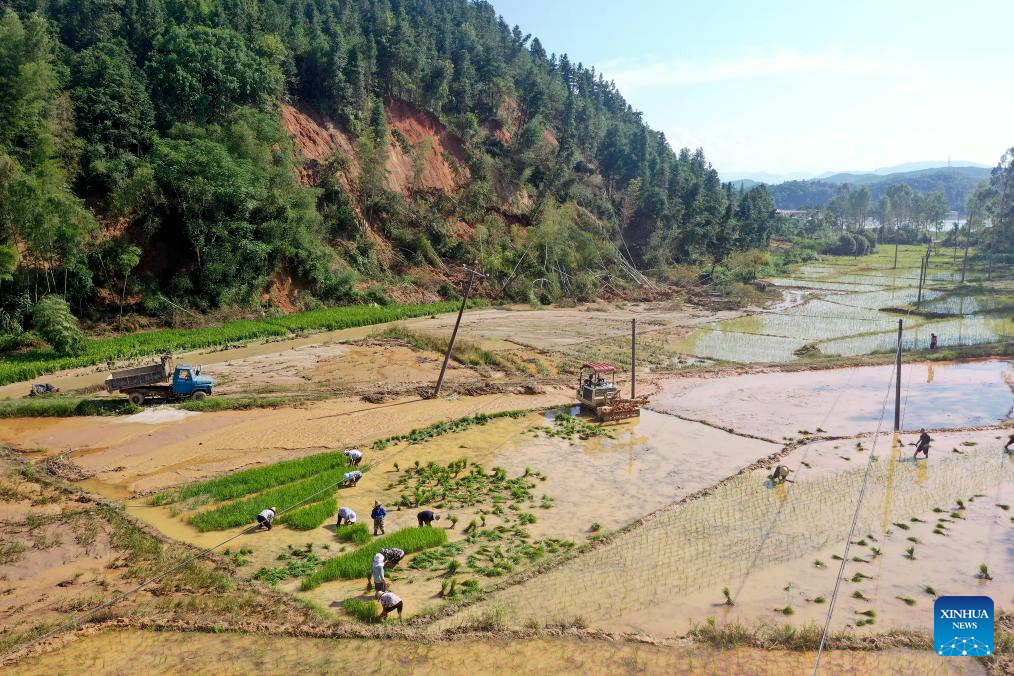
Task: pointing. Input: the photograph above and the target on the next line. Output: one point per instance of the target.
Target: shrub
(357, 563)
(312, 516)
(54, 321)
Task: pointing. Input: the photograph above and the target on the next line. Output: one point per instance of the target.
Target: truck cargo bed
(137, 377)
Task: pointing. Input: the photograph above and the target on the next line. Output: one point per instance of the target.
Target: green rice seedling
(787, 610)
(728, 596)
(861, 543)
(819, 564)
(836, 557)
(910, 553)
(452, 567)
(938, 510)
(246, 482)
(364, 611)
(820, 599)
(875, 551)
(311, 516)
(859, 559)
(1004, 507)
(526, 519)
(916, 519)
(453, 520)
(446, 427)
(867, 613)
(807, 465)
(907, 600)
(930, 590)
(914, 540)
(939, 531)
(969, 443)
(902, 526)
(983, 573)
(859, 577)
(863, 623)
(357, 533)
(956, 515)
(858, 595)
(357, 563)
(789, 587)
(243, 512)
(595, 527)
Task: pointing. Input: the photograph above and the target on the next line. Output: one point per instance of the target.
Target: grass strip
(244, 512)
(18, 366)
(312, 516)
(357, 563)
(65, 408)
(248, 481)
(445, 427)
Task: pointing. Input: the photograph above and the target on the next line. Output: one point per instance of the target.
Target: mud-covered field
(566, 537)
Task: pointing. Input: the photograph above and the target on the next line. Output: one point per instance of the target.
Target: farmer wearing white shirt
(345, 515)
(351, 478)
(265, 518)
(377, 571)
(355, 456)
(389, 602)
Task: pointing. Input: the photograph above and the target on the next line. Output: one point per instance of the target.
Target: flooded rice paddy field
(841, 308)
(764, 543)
(131, 652)
(846, 401)
(646, 464)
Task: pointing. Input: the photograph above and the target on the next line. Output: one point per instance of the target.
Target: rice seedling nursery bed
(356, 564)
(26, 365)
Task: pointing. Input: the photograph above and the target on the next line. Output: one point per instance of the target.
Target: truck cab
(188, 382)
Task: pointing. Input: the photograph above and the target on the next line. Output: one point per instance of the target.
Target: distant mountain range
(755, 177)
(957, 181)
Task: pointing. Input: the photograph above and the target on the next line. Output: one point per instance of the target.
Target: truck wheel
(199, 395)
(136, 398)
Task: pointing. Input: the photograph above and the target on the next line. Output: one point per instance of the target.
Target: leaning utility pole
(897, 384)
(454, 334)
(923, 273)
(633, 358)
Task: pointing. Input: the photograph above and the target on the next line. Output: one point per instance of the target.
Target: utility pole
(897, 384)
(923, 273)
(633, 358)
(454, 334)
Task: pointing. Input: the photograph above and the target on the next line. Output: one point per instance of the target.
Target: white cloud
(681, 73)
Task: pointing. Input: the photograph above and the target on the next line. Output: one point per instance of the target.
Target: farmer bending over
(355, 456)
(351, 478)
(1010, 442)
(922, 446)
(346, 515)
(389, 602)
(378, 515)
(427, 517)
(780, 475)
(392, 556)
(265, 518)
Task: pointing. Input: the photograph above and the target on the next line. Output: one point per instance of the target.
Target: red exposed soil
(317, 138)
(435, 143)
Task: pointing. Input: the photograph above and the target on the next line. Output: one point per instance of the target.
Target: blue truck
(160, 381)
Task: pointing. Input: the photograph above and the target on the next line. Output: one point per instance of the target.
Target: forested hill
(957, 183)
(292, 152)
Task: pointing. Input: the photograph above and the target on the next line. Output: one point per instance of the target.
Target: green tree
(56, 324)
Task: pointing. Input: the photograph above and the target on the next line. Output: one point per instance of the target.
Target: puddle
(660, 577)
(131, 652)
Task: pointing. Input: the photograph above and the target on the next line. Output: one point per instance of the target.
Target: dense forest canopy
(142, 159)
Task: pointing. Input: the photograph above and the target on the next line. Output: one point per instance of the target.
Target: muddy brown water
(847, 401)
(650, 462)
(133, 652)
(762, 542)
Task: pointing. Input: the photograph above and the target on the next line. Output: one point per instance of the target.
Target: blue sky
(790, 86)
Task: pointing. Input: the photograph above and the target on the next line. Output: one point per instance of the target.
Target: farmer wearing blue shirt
(378, 515)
